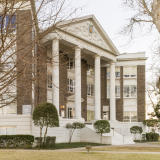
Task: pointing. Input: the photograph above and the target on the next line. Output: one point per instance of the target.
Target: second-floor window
(90, 70)
(71, 64)
(130, 91)
(130, 71)
(8, 22)
(49, 81)
(90, 89)
(71, 85)
(117, 72)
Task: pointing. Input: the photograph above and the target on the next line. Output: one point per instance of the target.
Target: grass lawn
(76, 145)
(50, 155)
(127, 149)
(143, 141)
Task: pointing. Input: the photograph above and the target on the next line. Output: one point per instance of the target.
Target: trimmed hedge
(19, 141)
(49, 142)
(152, 136)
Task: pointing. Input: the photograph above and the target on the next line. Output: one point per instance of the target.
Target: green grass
(50, 155)
(76, 145)
(138, 141)
(128, 149)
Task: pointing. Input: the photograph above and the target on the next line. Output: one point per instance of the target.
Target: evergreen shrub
(152, 136)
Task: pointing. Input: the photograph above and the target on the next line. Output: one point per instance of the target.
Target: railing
(118, 133)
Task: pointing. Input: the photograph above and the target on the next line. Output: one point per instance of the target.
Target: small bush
(19, 141)
(49, 142)
(152, 136)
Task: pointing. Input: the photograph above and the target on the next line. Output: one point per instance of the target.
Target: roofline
(84, 18)
(132, 59)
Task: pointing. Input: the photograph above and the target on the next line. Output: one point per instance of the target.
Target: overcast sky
(112, 16)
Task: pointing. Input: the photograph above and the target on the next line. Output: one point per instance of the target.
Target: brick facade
(84, 89)
(119, 101)
(24, 59)
(62, 81)
(103, 89)
(41, 76)
(141, 92)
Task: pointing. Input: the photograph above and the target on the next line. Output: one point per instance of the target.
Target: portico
(86, 48)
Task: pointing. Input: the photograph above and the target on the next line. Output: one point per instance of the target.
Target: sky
(112, 16)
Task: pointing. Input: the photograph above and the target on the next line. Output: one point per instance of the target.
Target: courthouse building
(83, 74)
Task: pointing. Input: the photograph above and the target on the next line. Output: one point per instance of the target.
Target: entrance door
(106, 116)
(71, 113)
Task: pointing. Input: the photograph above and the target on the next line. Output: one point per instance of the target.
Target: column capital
(55, 40)
(77, 48)
(97, 56)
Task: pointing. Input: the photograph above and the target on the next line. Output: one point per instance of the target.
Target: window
(130, 116)
(108, 72)
(90, 89)
(8, 22)
(71, 64)
(90, 116)
(130, 91)
(11, 108)
(130, 71)
(71, 85)
(7, 130)
(117, 91)
(90, 70)
(49, 81)
(117, 72)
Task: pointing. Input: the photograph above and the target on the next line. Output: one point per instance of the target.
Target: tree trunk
(101, 138)
(40, 141)
(45, 135)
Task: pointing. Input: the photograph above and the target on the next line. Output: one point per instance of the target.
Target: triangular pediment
(88, 28)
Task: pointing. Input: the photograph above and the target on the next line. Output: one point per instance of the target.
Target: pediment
(88, 28)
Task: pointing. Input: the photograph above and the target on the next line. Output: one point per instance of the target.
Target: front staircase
(88, 134)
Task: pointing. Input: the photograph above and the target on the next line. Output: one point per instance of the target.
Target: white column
(55, 73)
(78, 82)
(97, 94)
(112, 92)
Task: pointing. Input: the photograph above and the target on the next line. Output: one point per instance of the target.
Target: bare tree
(21, 54)
(145, 15)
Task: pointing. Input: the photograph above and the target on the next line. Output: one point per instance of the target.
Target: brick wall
(62, 81)
(119, 101)
(24, 59)
(141, 92)
(103, 89)
(84, 89)
(41, 76)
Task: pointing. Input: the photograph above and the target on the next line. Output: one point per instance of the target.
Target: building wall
(24, 59)
(103, 89)
(141, 92)
(119, 101)
(41, 76)
(84, 89)
(62, 81)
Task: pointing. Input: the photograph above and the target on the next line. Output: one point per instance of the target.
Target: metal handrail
(118, 133)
